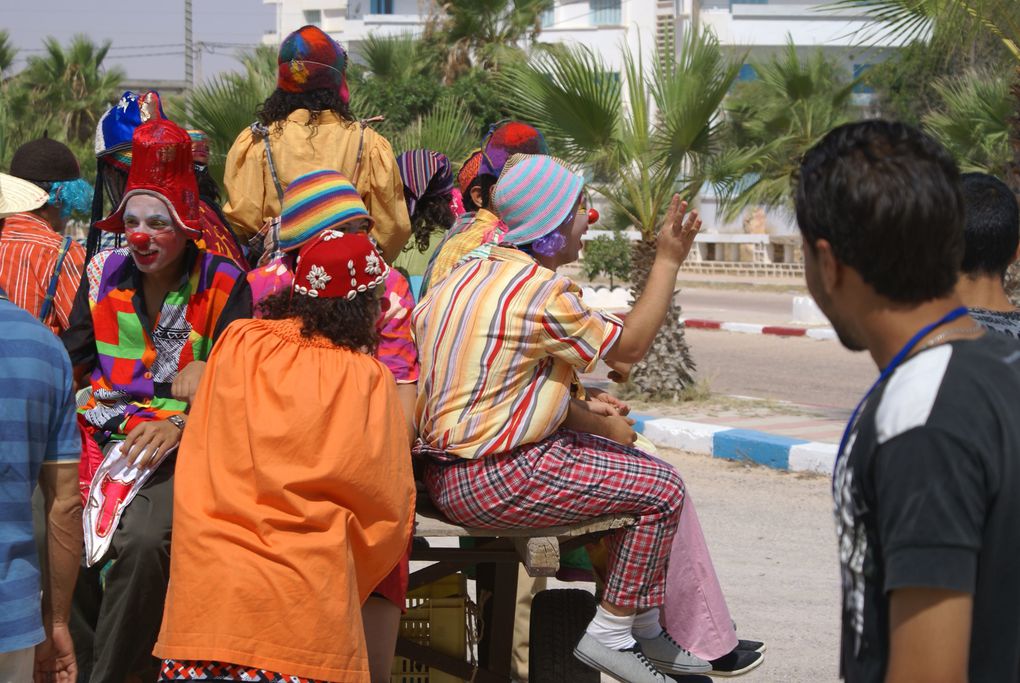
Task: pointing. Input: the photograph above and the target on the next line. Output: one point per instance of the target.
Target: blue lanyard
(891, 368)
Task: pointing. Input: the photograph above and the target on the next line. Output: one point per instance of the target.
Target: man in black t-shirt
(927, 482)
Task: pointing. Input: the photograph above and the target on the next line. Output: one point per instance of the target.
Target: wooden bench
(496, 556)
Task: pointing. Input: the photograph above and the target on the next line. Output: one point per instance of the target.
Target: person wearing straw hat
(143, 325)
(306, 125)
(292, 504)
(40, 268)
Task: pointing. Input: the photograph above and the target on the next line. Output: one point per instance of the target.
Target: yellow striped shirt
(500, 341)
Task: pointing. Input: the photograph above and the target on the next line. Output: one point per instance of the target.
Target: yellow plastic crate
(436, 616)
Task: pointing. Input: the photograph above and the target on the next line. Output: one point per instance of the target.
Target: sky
(147, 37)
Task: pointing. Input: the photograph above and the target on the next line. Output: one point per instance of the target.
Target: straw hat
(17, 195)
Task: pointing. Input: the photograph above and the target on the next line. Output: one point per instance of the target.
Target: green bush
(608, 256)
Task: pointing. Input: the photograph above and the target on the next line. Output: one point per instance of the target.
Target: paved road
(725, 305)
(804, 371)
(774, 547)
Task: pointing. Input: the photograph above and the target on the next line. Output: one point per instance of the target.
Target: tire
(558, 620)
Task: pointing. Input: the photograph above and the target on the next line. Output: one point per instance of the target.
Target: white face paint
(156, 243)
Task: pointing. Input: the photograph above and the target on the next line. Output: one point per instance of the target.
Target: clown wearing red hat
(142, 326)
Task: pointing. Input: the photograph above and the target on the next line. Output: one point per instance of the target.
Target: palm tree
(447, 129)
(780, 114)
(73, 85)
(908, 20)
(973, 120)
(643, 138)
(7, 54)
(484, 32)
(225, 105)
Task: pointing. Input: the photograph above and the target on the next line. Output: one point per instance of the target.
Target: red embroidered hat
(338, 265)
(161, 166)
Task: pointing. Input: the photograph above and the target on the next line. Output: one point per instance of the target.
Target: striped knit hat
(317, 201)
(534, 196)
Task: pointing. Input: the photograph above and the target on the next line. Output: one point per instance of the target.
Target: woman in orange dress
(294, 494)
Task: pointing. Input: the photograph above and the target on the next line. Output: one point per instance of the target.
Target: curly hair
(281, 104)
(431, 214)
(348, 323)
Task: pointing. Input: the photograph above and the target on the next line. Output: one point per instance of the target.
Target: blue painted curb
(744, 445)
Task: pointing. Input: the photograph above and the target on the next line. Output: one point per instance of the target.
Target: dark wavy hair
(281, 104)
(207, 187)
(348, 323)
(431, 214)
(887, 198)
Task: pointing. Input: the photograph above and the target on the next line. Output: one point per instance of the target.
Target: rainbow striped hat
(534, 196)
(317, 201)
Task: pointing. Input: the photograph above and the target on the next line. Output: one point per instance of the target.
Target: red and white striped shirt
(29, 248)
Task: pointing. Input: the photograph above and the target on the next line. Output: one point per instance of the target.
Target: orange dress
(293, 498)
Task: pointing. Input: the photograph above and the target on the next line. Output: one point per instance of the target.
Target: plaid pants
(569, 478)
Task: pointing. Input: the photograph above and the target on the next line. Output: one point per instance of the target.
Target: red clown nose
(139, 240)
(593, 216)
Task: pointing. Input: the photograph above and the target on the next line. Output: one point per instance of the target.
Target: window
(862, 88)
(313, 17)
(548, 17)
(605, 12)
(382, 6)
(747, 73)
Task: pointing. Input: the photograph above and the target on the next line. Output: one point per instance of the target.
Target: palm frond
(973, 123)
(447, 129)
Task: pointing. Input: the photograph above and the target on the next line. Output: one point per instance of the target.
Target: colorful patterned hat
(311, 60)
(315, 202)
(339, 265)
(425, 174)
(118, 124)
(534, 196)
(161, 167)
(469, 171)
(506, 139)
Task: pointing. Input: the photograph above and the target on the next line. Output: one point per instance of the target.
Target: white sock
(612, 631)
(646, 624)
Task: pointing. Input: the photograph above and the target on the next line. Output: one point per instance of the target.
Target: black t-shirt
(929, 497)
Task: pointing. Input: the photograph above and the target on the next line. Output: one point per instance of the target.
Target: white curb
(694, 437)
(813, 457)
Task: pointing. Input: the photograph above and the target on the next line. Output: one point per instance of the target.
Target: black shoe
(689, 678)
(736, 663)
(751, 646)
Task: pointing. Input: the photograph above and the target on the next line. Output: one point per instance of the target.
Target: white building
(605, 25)
(759, 27)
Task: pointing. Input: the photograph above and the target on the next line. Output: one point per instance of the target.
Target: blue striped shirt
(37, 425)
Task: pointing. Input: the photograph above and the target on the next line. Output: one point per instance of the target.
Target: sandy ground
(774, 547)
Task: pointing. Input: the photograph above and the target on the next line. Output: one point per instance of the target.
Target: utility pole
(189, 57)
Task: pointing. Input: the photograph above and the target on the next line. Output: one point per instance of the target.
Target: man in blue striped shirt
(39, 442)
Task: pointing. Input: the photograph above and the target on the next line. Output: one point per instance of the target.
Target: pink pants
(695, 612)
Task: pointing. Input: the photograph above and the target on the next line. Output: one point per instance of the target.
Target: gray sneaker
(628, 666)
(668, 657)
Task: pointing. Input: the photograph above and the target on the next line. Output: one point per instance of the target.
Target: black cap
(45, 161)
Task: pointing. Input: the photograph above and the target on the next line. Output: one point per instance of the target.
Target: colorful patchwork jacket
(133, 361)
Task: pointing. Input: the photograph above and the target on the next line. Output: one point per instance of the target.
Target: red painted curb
(784, 331)
(703, 324)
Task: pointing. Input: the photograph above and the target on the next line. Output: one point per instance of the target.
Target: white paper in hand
(114, 486)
